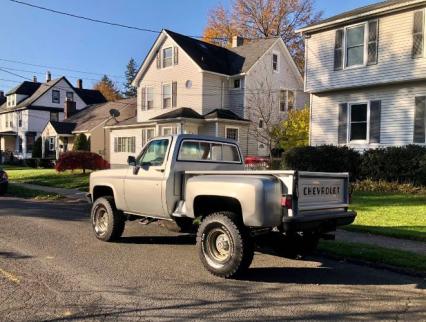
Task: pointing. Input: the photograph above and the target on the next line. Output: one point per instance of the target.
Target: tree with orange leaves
(253, 19)
(108, 89)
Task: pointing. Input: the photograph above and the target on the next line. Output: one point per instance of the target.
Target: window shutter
(176, 55)
(373, 42)
(375, 119)
(174, 94)
(338, 50)
(418, 33)
(115, 145)
(143, 97)
(159, 59)
(343, 124)
(420, 120)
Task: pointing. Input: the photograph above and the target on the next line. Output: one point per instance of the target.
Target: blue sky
(38, 37)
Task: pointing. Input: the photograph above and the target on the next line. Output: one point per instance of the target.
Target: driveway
(52, 268)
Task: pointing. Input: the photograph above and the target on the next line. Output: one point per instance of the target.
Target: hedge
(405, 164)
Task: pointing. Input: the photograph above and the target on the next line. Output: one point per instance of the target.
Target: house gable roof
(63, 127)
(221, 113)
(183, 112)
(362, 12)
(90, 117)
(25, 88)
(212, 58)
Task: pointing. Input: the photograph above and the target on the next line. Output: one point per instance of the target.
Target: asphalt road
(53, 268)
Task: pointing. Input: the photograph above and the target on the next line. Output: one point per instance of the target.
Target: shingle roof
(358, 11)
(2, 100)
(221, 113)
(63, 127)
(93, 115)
(25, 88)
(229, 61)
(183, 112)
(35, 90)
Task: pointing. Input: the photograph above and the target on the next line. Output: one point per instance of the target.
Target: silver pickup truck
(192, 180)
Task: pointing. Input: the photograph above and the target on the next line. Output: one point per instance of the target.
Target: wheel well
(102, 191)
(205, 205)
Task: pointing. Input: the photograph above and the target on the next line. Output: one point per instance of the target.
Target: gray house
(366, 75)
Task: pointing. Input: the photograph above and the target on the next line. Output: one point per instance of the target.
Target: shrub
(46, 163)
(369, 185)
(81, 143)
(37, 153)
(32, 163)
(81, 160)
(325, 158)
(405, 164)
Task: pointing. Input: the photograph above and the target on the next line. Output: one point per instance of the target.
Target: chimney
(69, 108)
(48, 76)
(35, 79)
(237, 41)
(79, 83)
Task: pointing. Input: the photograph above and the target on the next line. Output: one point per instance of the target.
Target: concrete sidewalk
(413, 246)
(68, 193)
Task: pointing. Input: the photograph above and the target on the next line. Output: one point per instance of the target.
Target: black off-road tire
(115, 221)
(241, 246)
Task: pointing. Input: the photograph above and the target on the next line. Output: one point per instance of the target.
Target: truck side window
(155, 153)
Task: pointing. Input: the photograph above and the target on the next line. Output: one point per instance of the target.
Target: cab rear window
(208, 152)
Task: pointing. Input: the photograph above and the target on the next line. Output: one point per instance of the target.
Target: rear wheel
(107, 222)
(224, 246)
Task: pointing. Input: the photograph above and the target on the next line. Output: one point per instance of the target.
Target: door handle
(159, 170)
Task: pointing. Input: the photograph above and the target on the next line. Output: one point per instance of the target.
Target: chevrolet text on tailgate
(187, 180)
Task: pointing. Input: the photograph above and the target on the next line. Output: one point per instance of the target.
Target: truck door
(144, 183)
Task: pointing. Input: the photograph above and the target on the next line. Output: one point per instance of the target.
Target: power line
(105, 22)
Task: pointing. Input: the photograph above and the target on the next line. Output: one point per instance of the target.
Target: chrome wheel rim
(218, 246)
(100, 221)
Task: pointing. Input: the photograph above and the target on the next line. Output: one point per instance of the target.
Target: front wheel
(224, 246)
(107, 222)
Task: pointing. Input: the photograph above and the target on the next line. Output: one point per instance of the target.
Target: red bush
(81, 160)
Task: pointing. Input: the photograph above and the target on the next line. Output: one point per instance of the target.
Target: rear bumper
(321, 223)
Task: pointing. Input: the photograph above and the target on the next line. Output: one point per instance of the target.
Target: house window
(56, 96)
(232, 133)
(51, 143)
(418, 34)
(358, 122)
(54, 116)
(125, 144)
(260, 124)
(237, 83)
(19, 119)
(149, 97)
(286, 100)
(147, 135)
(167, 95)
(70, 96)
(169, 130)
(275, 62)
(355, 46)
(167, 57)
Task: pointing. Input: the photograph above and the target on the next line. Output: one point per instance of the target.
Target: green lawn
(48, 177)
(395, 215)
(20, 192)
(374, 254)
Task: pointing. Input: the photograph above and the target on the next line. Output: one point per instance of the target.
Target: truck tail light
(286, 201)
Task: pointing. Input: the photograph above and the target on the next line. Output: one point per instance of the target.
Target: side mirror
(131, 160)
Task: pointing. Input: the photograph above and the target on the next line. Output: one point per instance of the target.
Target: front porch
(16, 146)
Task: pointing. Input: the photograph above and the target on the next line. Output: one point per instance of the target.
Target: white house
(186, 85)
(31, 105)
(366, 72)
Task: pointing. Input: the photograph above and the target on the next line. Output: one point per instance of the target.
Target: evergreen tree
(81, 143)
(108, 89)
(131, 71)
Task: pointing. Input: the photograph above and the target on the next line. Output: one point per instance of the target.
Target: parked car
(190, 178)
(4, 181)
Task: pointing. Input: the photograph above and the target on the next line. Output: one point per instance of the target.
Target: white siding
(120, 158)
(185, 70)
(395, 62)
(397, 114)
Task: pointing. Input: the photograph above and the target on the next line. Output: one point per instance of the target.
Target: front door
(144, 183)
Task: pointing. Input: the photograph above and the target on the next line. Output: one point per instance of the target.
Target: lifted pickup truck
(189, 179)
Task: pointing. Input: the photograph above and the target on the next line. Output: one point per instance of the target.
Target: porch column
(43, 147)
(24, 147)
(57, 146)
(180, 128)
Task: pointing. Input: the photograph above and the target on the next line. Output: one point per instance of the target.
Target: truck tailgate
(319, 191)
